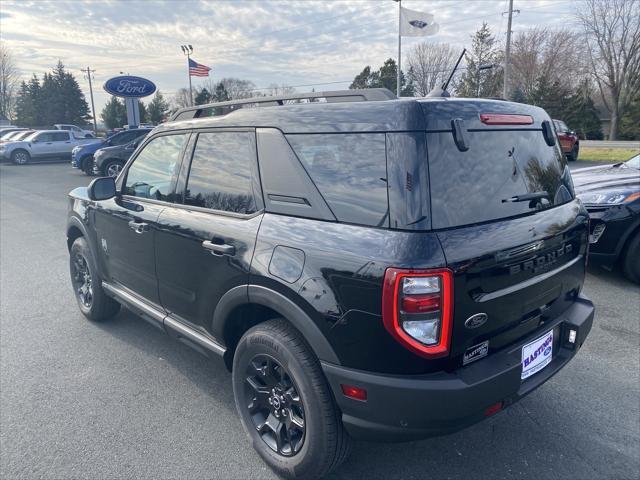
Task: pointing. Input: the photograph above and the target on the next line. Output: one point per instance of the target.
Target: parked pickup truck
(77, 131)
(42, 145)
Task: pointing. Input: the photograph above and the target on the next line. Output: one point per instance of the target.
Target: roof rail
(337, 96)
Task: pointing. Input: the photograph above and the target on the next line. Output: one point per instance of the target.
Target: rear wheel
(93, 302)
(285, 403)
(631, 260)
(20, 157)
(112, 168)
(572, 156)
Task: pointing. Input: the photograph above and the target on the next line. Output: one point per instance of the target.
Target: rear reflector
(356, 393)
(493, 409)
(421, 303)
(505, 119)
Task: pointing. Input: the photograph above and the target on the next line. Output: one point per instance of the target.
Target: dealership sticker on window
(537, 355)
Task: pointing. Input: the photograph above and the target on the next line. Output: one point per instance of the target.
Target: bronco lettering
(541, 262)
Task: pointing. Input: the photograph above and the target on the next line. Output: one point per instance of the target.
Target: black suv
(367, 267)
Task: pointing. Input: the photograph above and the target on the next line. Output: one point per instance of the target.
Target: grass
(606, 154)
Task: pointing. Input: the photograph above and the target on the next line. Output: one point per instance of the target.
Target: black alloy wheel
(275, 407)
(82, 280)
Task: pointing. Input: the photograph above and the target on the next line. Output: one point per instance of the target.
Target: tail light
(505, 119)
(417, 309)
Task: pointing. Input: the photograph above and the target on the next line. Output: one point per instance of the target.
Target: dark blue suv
(82, 155)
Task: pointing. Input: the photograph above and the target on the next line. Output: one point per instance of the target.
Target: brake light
(417, 309)
(505, 119)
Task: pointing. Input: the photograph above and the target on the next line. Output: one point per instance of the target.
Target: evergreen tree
(221, 94)
(630, 123)
(518, 96)
(385, 77)
(27, 103)
(581, 114)
(114, 113)
(157, 108)
(203, 97)
(144, 115)
(551, 96)
(475, 82)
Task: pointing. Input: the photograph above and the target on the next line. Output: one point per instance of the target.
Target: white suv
(42, 145)
(77, 131)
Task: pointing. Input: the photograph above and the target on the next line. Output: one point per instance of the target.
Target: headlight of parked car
(609, 197)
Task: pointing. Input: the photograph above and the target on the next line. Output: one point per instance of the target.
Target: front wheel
(20, 157)
(285, 403)
(113, 168)
(92, 300)
(572, 156)
(87, 165)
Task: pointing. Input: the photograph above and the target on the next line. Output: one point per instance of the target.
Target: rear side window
(220, 174)
(350, 172)
(59, 136)
(477, 185)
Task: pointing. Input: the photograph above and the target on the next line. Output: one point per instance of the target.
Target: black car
(611, 195)
(108, 161)
(366, 267)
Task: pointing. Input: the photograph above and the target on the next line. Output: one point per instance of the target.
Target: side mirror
(102, 188)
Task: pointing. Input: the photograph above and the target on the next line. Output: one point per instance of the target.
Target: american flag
(197, 69)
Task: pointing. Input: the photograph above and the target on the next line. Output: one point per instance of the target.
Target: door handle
(219, 249)
(138, 227)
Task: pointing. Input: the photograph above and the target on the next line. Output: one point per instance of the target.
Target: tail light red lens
(417, 309)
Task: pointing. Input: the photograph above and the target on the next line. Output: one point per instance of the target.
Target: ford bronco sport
(367, 267)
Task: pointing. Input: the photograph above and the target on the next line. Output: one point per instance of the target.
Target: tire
(631, 259)
(87, 165)
(20, 157)
(572, 156)
(273, 363)
(112, 168)
(87, 287)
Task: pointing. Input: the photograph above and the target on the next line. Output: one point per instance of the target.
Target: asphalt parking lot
(121, 400)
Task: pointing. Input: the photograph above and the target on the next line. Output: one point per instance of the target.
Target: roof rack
(337, 96)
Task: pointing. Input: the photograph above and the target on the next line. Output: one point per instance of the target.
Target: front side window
(43, 137)
(220, 174)
(350, 171)
(152, 172)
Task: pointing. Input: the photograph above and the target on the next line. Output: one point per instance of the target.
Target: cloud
(294, 42)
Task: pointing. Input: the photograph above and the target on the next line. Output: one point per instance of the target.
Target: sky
(303, 43)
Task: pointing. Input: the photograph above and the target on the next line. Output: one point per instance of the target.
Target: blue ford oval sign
(129, 86)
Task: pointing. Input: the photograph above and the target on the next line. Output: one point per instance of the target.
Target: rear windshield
(482, 183)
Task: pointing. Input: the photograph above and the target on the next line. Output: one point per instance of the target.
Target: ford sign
(128, 86)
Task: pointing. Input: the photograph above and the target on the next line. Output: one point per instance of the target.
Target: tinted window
(123, 138)
(469, 187)
(59, 136)
(220, 174)
(350, 172)
(152, 172)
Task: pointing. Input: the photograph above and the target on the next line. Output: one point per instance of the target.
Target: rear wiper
(525, 197)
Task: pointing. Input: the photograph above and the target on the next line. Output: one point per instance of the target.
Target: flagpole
(190, 87)
(399, 48)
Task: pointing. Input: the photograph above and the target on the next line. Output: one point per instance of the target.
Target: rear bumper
(400, 408)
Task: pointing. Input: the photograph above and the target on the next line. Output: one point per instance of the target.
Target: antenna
(446, 84)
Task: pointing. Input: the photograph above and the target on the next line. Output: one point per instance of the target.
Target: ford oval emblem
(477, 320)
(418, 23)
(129, 86)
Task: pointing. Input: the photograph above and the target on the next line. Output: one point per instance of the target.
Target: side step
(200, 341)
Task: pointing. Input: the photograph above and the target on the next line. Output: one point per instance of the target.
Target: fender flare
(75, 222)
(277, 302)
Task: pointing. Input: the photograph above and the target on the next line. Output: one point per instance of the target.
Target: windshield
(633, 162)
(23, 135)
(10, 135)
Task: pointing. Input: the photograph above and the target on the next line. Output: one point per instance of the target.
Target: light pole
(188, 50)
(88, 72)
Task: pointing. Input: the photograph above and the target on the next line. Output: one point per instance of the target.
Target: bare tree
(236, 88)
(283, 89)
(430, 65)
(543, 53)
(612, 31)
(9, 80)
(181, 99)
